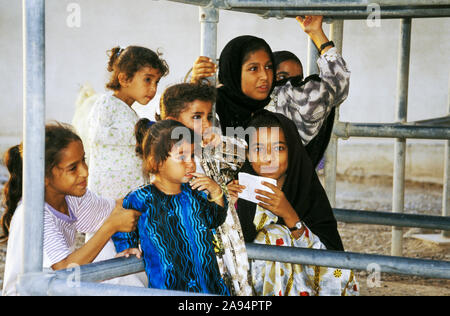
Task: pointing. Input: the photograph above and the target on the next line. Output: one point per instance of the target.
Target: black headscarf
(233, 106)
(302, 189)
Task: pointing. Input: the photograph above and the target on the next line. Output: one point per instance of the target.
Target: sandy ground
(374, 239)
(377, 195)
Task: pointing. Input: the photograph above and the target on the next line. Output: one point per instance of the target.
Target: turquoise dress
(174, 232)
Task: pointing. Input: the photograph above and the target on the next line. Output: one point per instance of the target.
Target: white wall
(78, 55)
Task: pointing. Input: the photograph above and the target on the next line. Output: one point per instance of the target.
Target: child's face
(268, 153)
(142, 87)
(288, 69)
(179, 165)
(70, 176)
(257, 75)
(197, 116)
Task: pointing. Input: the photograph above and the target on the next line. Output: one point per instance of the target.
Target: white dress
(114, 167)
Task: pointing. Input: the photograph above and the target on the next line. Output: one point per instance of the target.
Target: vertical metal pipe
(33, 132)
(313, 55)
(336, 35)
(446, 184)
(209, 17)
(398, 198)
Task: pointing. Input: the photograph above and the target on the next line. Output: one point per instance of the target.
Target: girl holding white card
(295, 212)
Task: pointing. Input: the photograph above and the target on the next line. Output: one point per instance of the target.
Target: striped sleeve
(56, 245)
(91, 211)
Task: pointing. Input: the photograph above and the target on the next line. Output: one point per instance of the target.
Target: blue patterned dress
(176, 240)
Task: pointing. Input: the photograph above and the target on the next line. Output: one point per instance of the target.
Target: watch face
(299, 225)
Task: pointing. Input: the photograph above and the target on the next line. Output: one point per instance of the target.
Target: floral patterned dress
(114, 168)
(222, 163)
(287, 279)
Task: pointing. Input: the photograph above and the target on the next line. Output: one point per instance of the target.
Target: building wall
(77, 55)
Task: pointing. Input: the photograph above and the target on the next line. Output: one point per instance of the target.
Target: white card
(253, 183)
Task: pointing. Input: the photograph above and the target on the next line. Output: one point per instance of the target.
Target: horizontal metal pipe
(60, 288)
(227, 4)
(337, 259)
(350, 14)
(325, 3)
(439, 121)
(104, 270)
(392, 219)
(350, 260)
(37, 284)
(396, 130)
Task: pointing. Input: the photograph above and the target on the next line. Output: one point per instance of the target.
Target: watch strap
(297, 226)
(325, 45)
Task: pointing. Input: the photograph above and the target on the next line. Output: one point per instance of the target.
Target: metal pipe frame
(336, 35)
(79, 281)
(350, 260)
(324, 3)
(390, 130)
(446, 179)
(34, 133)
(37, 284)
(344, 9)
(227, 4)
(351, 14)
(392, 219)
(33, 281)
(398, 190)
(209, 18)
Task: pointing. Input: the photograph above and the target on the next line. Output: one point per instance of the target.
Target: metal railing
(79, 281)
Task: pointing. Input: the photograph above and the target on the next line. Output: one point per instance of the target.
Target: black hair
(176, 98)
(255, 46)
(130, 60)
(159, 141)
(284, 55)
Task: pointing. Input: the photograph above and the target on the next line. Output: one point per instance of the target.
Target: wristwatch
(325, 45)
(298, 226)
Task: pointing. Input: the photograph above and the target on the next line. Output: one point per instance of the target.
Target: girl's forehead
(259, 56)
(267, 135)
(149, 71)
(72, 153)
(199, 106)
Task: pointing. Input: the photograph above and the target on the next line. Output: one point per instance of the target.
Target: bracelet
(216, 198)
(325, 45)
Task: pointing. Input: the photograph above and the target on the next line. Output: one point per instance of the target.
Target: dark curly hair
(176, 98)
(130, 60)
(159, 141)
